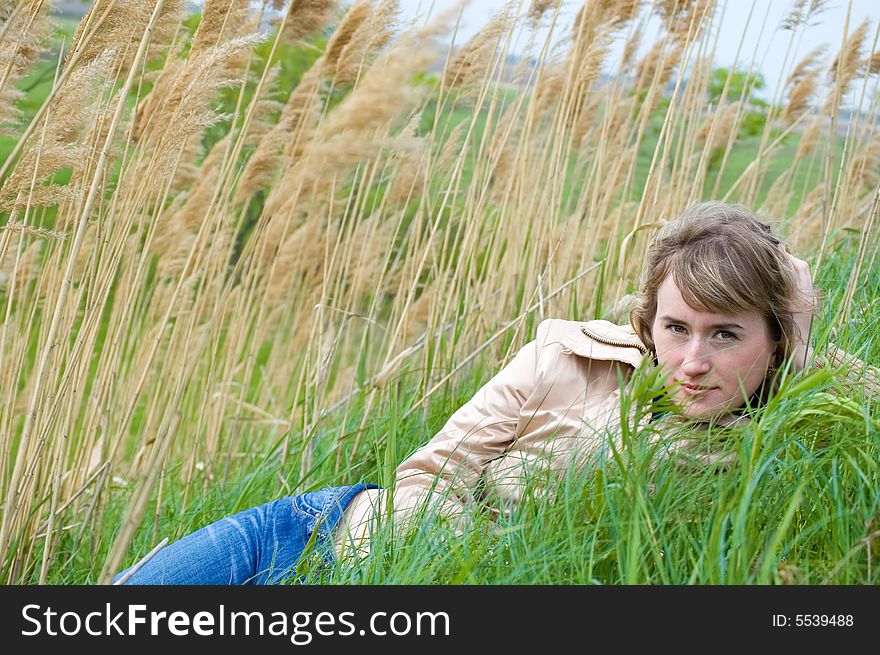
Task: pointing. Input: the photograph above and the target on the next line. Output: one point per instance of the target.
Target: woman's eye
(724, 335)
(675, 328)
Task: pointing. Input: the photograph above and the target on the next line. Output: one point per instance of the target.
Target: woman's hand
(802, 349)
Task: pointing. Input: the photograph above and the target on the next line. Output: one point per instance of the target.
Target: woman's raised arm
(857, 374)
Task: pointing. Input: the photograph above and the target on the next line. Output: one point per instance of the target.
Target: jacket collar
(604, 340)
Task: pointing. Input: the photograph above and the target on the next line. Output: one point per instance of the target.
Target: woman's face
(714, 361)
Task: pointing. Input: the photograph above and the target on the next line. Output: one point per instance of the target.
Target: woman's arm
(448, 468)
(857, 374)
(802, 351)
(446, 471)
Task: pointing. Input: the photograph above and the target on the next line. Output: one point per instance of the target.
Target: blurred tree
(743, 86)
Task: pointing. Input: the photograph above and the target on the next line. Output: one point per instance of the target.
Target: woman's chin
(703, 408)
(699, 413)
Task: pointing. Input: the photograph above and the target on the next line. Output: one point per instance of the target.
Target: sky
(760, 29)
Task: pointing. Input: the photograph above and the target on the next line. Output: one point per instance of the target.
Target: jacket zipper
(614, 342)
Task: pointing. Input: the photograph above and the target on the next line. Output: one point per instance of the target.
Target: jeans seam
(301, 512)
(326, 507)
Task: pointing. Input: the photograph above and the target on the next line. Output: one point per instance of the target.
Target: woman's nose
(696, 360)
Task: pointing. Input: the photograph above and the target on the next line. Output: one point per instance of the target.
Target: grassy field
(798, 506)
(275, 265)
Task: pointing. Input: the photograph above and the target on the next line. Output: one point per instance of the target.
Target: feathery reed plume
(350, 134)
(472, 60)
(595, 13)
(285, 139)
(187, 171)
(800, 96)
(407, 174)
(809, 63)
(874, 63)
(450, 151)
(816, 7)
(802, 14)
(583, 71)
(591, 40)
(656, 67)
(809, 140)
(803, 82)
(720, 125)
(595, 18)
(383, 23)
(371, 241)
(61, 148)
(502, 164)
(10, 114)
(267, 109)
(305, 17)
(177, 227)
(38, 232)
(795, 17)
(539, 8)
(586, 24)
(185, 108)
(25, 273)
(865, 165)
(407, 169)
(682, 17)
(548, 88)
(149, 104)
(371, 35)
(382, 93)
(122, 24)
(20, 47)
(221, 21)
(618, 117)
(846, 65)
(301, 258)
(630, 48)
(806, 222)
(351, 22)
(626, 10)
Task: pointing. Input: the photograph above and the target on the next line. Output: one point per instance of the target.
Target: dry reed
(211, 278)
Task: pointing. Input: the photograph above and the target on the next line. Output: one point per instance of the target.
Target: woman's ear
(778, 356)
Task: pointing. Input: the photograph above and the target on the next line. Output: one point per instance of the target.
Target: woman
(722, 306)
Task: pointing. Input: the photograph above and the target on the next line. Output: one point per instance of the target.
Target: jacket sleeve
(856, 373)
(446, 471)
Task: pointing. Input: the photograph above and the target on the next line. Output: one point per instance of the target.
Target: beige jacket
(548, 407)
(552, 407)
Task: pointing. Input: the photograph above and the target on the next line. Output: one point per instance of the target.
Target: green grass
(798, 504)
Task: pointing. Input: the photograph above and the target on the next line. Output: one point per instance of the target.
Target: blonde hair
(723, 259)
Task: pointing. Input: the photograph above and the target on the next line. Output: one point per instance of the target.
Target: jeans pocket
(311, 504)
(326, 505)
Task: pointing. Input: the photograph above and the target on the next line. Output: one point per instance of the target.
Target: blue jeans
(261, 545)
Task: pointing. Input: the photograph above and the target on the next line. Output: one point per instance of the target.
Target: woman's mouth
(696, 389)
